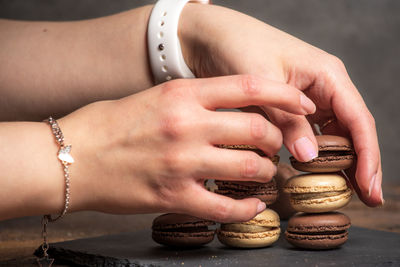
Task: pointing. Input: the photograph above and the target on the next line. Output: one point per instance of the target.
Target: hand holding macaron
(152, 151)
(234, 43)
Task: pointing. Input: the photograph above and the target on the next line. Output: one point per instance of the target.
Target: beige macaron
(261, 231)
(322, 192)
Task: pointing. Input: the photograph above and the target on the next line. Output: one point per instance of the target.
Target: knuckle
(173, 126)
(175, 163)
(251, 165)
(258, 127)
(269, 171)
(250, 84)
(371, 119)
(335, 63)
(277, 141)
(175, 89)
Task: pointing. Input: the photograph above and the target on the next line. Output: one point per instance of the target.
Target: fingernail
(382, 200)
(371, 185)
(307, 105)
(261, 207)
(305, 149)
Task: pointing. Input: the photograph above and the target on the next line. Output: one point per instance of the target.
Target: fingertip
(305, 150)
(261, 207)
(307, 104)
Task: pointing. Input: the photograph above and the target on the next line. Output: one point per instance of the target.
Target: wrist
(192, 35)
(200, 30)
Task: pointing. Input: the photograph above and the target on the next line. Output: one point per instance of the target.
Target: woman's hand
(233, 43)
(152, 151)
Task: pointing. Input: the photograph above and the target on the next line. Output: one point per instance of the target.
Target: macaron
(319, 192)
(318, 231)
(266, 192)
(261, 231)
(335, 154)
(180, 230)
(282, 204)
(274, 159)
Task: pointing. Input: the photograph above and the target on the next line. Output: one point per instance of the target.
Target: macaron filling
(317, 235)
(319, 195)
(243, 228)
(187, 229)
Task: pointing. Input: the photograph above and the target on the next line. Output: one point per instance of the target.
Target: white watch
(165, 53)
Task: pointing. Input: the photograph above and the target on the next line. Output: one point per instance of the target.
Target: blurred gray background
(364, 34)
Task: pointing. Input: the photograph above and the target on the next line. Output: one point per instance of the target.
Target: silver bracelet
(66, 159)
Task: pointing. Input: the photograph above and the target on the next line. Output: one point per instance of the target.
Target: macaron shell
(316, 242)
(323, 204)
(324, 163)
(267, 198)
(249, 240)
(175, 220)
(181, 239)
(314, 183)
(333, 143)
(268, 218)
(318, 223)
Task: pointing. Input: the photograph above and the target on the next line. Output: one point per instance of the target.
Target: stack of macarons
(261, 231)
(318, 194)
(179, 230)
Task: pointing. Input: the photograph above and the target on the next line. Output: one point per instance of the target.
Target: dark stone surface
(364, 248)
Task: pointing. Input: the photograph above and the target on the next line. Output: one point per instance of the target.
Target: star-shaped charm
(64, 154)
(45, 261)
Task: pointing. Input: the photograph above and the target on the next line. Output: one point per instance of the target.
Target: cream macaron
(261, 231)
(322, 192)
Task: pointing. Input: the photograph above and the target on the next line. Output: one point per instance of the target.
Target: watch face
(201, 1)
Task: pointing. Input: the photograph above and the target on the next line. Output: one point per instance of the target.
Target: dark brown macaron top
(181, 230)
(335, 154)
(274, 159)
(318, 231)
(266, 192)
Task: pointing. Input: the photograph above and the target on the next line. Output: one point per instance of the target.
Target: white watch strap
(165, 51)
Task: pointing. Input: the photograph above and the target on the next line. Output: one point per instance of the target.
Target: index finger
(351, 111)
(246, 90)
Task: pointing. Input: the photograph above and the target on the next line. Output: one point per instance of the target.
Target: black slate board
(364, 248)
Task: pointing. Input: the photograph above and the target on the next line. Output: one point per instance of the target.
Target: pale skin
(150, 149)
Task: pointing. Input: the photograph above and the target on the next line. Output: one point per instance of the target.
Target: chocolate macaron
(319, 192)
(261, 231)
(180, 230)
(335, 154)
(318, 231)
(266, 192)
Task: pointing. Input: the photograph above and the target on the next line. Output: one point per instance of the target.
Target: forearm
(55, 67)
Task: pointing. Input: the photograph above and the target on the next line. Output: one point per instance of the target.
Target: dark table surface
(20, 237)
(365, 247)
